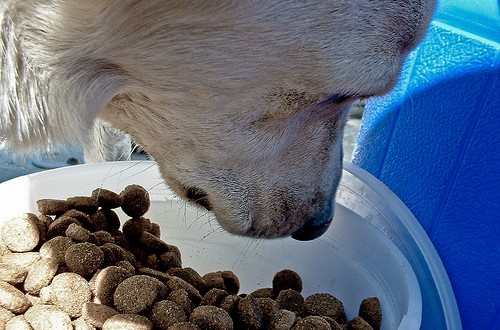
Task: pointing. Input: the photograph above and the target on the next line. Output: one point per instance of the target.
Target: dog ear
(48, 94)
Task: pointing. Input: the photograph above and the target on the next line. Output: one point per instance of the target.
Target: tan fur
(233, 98)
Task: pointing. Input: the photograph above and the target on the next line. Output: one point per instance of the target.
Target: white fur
(227, 96)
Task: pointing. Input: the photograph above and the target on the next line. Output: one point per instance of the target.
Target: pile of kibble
(72, 267)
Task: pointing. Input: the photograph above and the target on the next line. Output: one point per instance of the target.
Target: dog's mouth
(314, 225)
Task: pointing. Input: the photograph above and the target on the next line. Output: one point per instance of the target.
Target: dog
(241, 103)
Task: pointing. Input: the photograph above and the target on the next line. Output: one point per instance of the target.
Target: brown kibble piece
(213, 280)
(181, 298)
(312, 323)
(211, 317)
(106, 282)
(98, 221)
(175, 283)
(127, 265)
(127, 322)
(20, 234)
(69, 292)
(334, 324)
(287, 279)
(56, 248)
(230, 305)
(225, 280)
(264, 293)
(17, 323)
(268, 307)
(40, 274)
(136, 294)
(103, 237)
(82, 324)
(325, 304)
(371, 311)
(282, 320)
(291, 300)
(58, 227)
(152, 242)
(81, 217)
(119, 253)
(184, 326)
(358, 323)
(52, 206)
(85, 204)
(189, 275)
(84, 258)
(22, 259)
(135, 201)
(78, 233)
(169, 260)
(159, 275)
(165, 313)
(12, 274)
(112, 219)
(133, 228)
(213, 297)
(97, 314)
(155, 229)
(106, 198)
(5, 316)
(13, 299)
(249, 313)
(48, 317)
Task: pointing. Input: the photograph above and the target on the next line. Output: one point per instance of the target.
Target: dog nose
(314, 226)
(199, 197)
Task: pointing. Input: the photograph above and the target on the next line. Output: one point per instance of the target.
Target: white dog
(241, 103)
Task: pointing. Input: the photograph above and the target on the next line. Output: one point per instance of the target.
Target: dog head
(242, 104)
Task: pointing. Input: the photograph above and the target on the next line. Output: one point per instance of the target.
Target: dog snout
(199, 197)
(315, 225)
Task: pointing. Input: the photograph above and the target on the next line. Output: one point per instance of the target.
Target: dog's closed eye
(199, 197)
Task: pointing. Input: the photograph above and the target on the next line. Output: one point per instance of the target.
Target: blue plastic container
(435, 141)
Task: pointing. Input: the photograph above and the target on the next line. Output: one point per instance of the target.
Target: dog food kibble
(287, 279)
(371, 311)
(283, 319)
(12, 298)
(85, 204)
(42, 317)
(107, 199)
(166, 313)
(84, 258)
(52, 206)
(249, 313)
(56, 248)
(20, 234)
(325, 304)
(69, 292)
(106, 282)
(291, 300)
(135, 201)
(40, 274)
(71, 267)
(211, 317)
(97, 314)
(128, 322)
(358, 323)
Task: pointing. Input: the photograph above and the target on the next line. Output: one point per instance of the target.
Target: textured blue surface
(435, 141)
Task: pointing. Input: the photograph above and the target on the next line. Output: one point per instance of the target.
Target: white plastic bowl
(352, 260)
